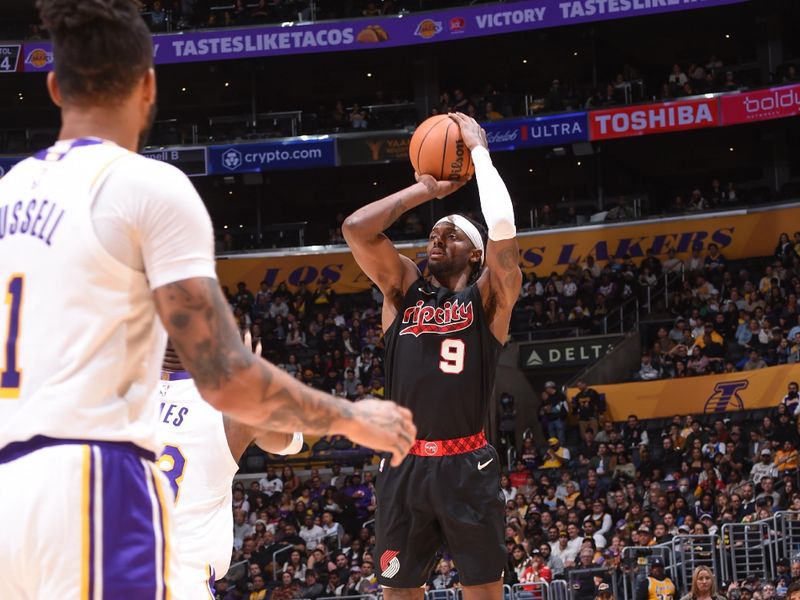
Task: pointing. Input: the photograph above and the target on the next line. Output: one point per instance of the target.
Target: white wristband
(294, 446)
(496, 206)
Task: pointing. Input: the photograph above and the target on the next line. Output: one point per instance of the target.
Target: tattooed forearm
(398, 209)
(202, 330)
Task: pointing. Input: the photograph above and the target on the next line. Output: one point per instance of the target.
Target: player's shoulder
(147, 172)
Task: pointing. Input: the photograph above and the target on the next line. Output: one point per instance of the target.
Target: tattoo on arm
(207, 340)
(508, 258)
(203, 331)
(398, 209)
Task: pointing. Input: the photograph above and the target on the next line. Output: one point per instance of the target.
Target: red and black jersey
(441, 359)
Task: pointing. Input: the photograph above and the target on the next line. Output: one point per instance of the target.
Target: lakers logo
(726, 396)
(39, 58)
(428, 28)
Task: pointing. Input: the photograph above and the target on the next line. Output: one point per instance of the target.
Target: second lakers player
(201, 449)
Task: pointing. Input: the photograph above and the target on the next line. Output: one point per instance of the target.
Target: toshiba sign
(761, 105)
(646, 119)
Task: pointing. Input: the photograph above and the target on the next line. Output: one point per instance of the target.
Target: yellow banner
(739, 234)
(746, 390)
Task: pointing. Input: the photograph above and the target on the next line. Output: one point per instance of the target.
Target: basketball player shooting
(105, 250)
(443, 334)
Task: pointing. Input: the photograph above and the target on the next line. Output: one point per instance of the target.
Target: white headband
(468, 228)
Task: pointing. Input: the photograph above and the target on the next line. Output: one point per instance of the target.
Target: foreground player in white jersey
(201, 450)
(98, 248)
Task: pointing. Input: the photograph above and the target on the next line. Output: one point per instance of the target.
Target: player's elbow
(217, 398)
(351, 226)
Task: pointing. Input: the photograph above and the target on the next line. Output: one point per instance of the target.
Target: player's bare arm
(257, 393)
(501, 280)
(374, 252)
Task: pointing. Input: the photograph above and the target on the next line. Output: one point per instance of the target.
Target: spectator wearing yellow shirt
(259, 589)
(786, 458)
(556, 456)
(491, 112)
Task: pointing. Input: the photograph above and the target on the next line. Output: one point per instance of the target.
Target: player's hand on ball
(438, 189)
(382, 426)
(471, 131)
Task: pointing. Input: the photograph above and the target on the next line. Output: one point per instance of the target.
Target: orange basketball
(437, 149)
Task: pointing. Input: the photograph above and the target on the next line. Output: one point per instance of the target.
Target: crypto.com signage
(760, 105)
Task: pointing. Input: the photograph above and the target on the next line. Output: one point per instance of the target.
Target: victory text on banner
(647, 119)
(746, 390)
(384, 32)
(760, 105)
(739, 234)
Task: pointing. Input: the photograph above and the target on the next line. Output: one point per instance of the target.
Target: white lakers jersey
(197, 460)
(80, 341)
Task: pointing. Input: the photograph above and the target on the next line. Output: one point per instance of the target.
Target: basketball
(437, 149)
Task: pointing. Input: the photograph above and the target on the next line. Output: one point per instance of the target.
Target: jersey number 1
(11, 375)
(452, 356)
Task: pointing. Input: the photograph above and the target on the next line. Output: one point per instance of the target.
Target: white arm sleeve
(495, 201)
(148, 216)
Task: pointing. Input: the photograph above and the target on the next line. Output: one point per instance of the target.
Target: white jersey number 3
(452, 354)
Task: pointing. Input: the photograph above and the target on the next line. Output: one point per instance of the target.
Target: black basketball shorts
(449, 502)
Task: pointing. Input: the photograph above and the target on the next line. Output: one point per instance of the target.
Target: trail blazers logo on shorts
(390, 564)
(726, 396)
(453, 316)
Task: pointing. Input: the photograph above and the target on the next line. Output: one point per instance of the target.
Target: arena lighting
(575, 53)
(524, 61)
(224, 226)
(227, 84)
(579, 163)
(530, 170)
(230, 192)
(369, 74)
(374, 183)
(731, 148)
(727, 36)
(183, 89)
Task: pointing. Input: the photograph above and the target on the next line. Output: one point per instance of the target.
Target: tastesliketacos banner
(550, 130)
(760, 105)
(647, 119)
(739, 234)
(293, 153)
(745, 390)
(405, 30)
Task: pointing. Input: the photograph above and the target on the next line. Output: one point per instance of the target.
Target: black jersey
(441, 359)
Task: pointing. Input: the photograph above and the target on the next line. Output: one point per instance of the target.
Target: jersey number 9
(452, 355)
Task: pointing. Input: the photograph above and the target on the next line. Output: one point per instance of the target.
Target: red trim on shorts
(448, 447)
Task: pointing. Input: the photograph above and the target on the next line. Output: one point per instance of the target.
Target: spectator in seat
(259, 591)
(288, 589)
(633, 433)
(312, 589)
(358, 117)
(554, 410)
(556, 456)
(647, 371)
(754, 362)
(658, 586)
(792, 398)
(764, 468)
(785, 249)
(536, 570)
(490, 113)
(446, 577)
(554, 101)
(586, 406)
(704, 586)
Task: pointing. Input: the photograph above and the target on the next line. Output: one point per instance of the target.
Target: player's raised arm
(392, 272)
(502, 273)
(255, 392)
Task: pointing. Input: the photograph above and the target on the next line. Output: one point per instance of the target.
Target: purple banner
(384, 32)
